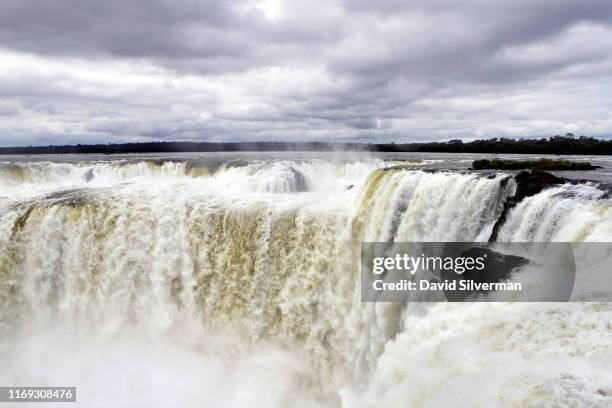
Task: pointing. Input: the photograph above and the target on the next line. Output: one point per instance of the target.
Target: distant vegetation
(175, 147)
(543, 164)
(565, 145)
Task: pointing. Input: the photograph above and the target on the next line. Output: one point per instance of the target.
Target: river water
(232, 280)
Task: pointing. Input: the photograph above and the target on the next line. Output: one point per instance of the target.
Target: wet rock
(531, 183)
(300, 181)
(88, 176)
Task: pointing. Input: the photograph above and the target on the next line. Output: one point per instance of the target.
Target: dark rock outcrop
(531, 183)
(88, 175)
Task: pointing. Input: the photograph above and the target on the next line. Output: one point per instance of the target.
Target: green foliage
(565, 145)
(542, 164)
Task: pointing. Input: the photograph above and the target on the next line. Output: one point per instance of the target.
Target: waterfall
(267, 253)
(567, 213)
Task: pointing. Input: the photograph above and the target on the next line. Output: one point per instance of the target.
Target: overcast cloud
(80, 71)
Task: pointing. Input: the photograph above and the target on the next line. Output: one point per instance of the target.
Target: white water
(237, 285)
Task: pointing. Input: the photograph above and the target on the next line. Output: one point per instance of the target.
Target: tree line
(565, 145)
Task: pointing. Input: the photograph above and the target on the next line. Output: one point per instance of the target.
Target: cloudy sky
(83, 71)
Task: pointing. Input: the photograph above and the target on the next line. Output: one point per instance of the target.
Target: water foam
(247, 268)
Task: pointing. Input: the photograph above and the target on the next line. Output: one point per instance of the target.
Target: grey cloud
(206, 36)
(8, 109)
(460, 40)
(362, 123)
(135, 28)
(323, 70)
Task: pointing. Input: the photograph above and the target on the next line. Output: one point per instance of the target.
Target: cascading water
(249, 271)
(567, 213)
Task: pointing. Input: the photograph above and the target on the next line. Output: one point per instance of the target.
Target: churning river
(232, 280)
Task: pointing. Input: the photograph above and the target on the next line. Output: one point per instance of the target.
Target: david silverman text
(423, 284)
